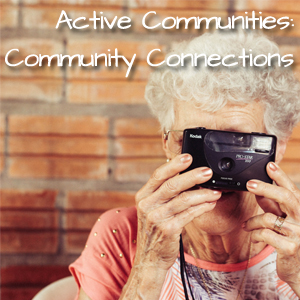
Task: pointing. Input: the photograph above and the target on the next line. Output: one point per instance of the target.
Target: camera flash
(262, 143)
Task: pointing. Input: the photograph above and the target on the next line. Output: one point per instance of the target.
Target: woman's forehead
(247, 117)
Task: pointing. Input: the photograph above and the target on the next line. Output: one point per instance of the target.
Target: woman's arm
(145, 284)
(286, 240)
(165, 205)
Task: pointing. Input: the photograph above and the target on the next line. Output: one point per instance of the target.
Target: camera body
(234, 157)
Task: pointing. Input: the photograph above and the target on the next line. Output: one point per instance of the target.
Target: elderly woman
(237, 244)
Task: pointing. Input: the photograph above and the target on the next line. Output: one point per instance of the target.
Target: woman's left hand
(286, 240)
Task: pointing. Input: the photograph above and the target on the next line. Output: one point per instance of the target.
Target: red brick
(1, 164)
(23, 71)
(125, 48)
(47, 16)
(28, 242)
(268, 5)
(8, 16)
(296, 133)
(71, 125)
(2, 123)
(28, 199)
(9, 1)
(290, 31)
(296, 71)
(99, 200)
(2, 142)
(58, 145)
(75, 241)
(108, 92)
(32, 275)
(141, 71)
(2, 131)
(28, 220)
(81, 220)
(57, 167)
(152, 20)
(180, 4)
(43, 17)
(292, 150)
(33, 90)
(291, 168)
(138, 147)
(29, 46)
(138, 170)
(97, 3)
(2, 138)
(137, 127)
(19, 293)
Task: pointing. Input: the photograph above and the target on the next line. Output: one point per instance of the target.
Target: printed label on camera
(246, 158)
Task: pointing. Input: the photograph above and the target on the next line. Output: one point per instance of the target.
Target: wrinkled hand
(277, 200)
(165, 205)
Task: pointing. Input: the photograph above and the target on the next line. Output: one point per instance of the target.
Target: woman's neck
(222, 249)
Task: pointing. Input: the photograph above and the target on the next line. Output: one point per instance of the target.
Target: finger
(283, 244)
(281, 179)
(284, 197)
(173, 187)
(185, 200)
(267, 221)
(164, 172)
(177, 184)
(269, 205)
(179, 221)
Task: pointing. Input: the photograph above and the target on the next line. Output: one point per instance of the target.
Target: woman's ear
(281, 147)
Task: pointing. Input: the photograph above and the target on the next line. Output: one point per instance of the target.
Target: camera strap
(183, 271)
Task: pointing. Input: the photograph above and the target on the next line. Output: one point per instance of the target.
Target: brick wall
(75, 142)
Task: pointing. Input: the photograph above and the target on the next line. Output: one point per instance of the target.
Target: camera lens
(226, 164)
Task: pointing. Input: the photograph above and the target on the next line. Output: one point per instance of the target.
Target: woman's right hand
(165, 205)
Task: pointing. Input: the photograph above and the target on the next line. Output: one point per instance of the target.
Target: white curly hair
(211, 88)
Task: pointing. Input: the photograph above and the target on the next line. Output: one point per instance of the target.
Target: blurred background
(78, 141)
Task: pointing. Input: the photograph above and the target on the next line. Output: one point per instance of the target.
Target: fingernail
(217, 192)
(252, 184)
(185, 158)
(206, 172)
(273, 166)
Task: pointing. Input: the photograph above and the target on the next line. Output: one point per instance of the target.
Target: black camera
(234, 157)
